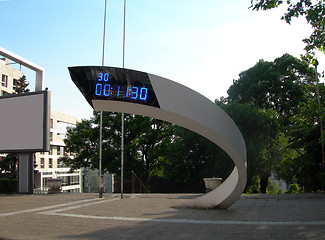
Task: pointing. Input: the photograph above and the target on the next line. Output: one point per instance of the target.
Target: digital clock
(104, 88)
(116, 84)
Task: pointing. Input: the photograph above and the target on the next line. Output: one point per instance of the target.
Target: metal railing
(141, 185)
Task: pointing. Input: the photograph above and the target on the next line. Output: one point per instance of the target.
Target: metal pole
(124, 32)
(100, 154)
(122, 132)
(320, 117)
(122, 156)
(104, 33)
(101, 184)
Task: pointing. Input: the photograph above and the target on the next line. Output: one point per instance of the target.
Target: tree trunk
(263, 182)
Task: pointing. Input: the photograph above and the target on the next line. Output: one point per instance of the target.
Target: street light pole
(320, 116)
(122, 132)
(101, 183)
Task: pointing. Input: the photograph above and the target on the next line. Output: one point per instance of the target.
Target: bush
(253, 185)
(294, 188)
(8, 185)
(322, 180)
(272, 189)
(161, 185)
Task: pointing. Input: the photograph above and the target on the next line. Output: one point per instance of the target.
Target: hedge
(8, 185)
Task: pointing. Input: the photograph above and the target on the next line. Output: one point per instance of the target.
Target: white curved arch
(189, 109)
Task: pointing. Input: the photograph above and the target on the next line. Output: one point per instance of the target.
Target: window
(42, 162)
(51, 123)
(52, 150)
(50, 163)
(4, 82)
(60, 150)
(14, 84)
(4, 93)
(61, 164)
(51, 137)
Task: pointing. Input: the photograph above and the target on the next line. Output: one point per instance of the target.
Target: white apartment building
(48, 164)
(8, 77)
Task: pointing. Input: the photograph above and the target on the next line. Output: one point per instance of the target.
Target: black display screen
(117, 84)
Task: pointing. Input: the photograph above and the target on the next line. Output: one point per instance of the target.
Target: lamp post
(122, 127)
(320, 116)
(101, 183)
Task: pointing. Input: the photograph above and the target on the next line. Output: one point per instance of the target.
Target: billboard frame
(45, 125)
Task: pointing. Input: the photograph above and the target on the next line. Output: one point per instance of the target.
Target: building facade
(8, 77)
(49, 166)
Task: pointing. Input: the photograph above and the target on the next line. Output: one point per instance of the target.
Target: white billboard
(24, 122)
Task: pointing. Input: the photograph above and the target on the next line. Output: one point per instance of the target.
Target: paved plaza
(157, 216)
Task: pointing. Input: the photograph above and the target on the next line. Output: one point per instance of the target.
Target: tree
(278, 85)
(151, 148)
(314, 13)
(190, 158)
(144, 143)
(305, 137)
(8, 166)
(287, 87)
(21, 85)
(259, 128)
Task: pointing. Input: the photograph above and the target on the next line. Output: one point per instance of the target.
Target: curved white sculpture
(187, 108)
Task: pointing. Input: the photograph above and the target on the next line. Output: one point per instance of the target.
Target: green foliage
(284, 137)
(145, 142)
(253, 185)
(272, 189)
(322, 180)
(304, 132)
(312, 11)
(151, 148)
(294, 188)
(191, 158)
(277, 85)
(259, 129)
(8, 166)
(8, 185)
(20, 85)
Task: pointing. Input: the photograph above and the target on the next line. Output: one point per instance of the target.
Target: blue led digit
(106, 77)
(118, 91)
(100, 77)
(134, 93)
(107, 90)
(127, 92)
(98, 89)
(143, 93)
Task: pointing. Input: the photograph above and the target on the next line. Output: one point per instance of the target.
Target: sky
(203, 45)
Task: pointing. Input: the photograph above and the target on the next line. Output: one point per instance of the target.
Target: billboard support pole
(26, 173)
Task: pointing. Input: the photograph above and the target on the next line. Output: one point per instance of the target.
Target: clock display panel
(116, 84)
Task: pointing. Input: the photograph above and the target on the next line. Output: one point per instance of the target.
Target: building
(8, 77)
(48, 164)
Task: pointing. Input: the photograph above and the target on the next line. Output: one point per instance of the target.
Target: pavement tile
(154, 216)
